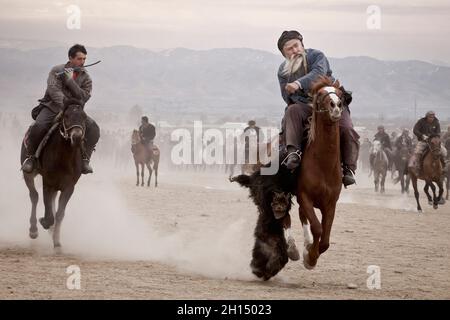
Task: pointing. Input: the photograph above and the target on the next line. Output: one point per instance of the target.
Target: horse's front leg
(376, 180)
(402, 182)
(440, 198)
(34, 197)
(447, 185)
(416, 192)
(408, 179)
(435, 198)
(292, 250)
(327, 222)
(149, 167)
(142, 174)
(383, 180)
(49, 198)
(137, 173)
(62, 203)
(155, 168)
(311, 252)
(426, 189)
(307, 235)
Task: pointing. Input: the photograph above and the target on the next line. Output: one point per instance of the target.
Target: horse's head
(135, 138)
(434, 143)
(376, 147)
(280, 203)
(327, 98)
(74, 122)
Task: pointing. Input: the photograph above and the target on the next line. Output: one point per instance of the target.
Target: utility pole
(415, 108)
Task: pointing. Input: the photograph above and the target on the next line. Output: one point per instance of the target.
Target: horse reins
(65, 133)
(321, 100)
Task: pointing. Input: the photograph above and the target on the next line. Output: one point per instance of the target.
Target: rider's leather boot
(29, 164)
(86, 154)
(348, 176)
(293, 158)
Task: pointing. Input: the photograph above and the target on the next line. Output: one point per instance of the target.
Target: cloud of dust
(100, 225)
(364, 193)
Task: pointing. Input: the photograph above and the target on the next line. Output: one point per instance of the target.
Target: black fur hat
(286, 36)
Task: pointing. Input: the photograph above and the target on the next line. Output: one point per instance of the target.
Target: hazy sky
(409, 29)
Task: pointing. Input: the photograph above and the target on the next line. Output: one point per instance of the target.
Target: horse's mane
(73, 102)
(318, 84)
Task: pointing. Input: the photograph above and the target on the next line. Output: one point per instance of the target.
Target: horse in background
(447, 171)
(431, 172)
(401, 159)
(380, 166)
(143, 157)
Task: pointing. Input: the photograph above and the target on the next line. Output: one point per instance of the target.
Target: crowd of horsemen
(296, 76)
(415, 144)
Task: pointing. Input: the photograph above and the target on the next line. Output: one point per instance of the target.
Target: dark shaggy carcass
(272, 196)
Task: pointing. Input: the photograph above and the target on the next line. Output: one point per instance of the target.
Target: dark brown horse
(320, 178)
(142, 156)
(60, 168)
(431, 173)
(401, 158)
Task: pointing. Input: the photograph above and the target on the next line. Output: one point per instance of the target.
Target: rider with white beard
(296, 75)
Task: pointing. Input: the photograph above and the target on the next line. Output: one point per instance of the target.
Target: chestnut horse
(320, 178)
(431, 173)
(142, 157)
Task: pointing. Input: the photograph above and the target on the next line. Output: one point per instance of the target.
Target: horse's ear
(319, 83)
(337, 84)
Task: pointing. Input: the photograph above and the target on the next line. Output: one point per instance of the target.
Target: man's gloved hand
(292, 87)
(424, 137)
(68, 73)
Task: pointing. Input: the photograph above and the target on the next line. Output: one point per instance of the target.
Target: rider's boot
(293, 158)
(86, 156)
(348, 176)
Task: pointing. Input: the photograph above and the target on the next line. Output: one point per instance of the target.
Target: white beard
(292, 65)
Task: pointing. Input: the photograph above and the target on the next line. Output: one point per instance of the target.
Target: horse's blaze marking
(333, 97)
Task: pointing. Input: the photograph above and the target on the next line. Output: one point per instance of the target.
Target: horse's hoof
(419, 211)
(57, 249)
(34, 234)
(46, 225)
(430, 202)
(292, 251)
(306, 262)
(442, 201)
(435, 206)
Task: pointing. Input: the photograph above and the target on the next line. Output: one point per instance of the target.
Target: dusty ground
(191, 239)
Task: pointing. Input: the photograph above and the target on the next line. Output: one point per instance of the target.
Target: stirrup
(296, 152)
(347, 169)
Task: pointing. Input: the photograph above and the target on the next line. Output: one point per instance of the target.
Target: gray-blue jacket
(317, 65)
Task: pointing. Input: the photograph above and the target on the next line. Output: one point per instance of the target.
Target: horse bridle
(433, 150)
(65, 131)
(320, 100)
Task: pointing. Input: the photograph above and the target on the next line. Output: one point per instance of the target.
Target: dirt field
(191, 238)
